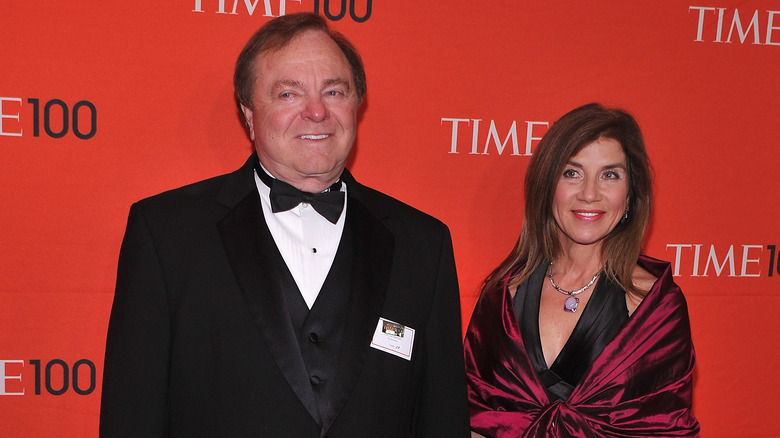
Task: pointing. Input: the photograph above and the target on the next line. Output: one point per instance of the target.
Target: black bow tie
(284, 197)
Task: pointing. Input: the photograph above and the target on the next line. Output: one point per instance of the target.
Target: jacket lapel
(372, 249)
(250, 249)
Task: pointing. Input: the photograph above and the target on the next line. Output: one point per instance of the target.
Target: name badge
(394, 338)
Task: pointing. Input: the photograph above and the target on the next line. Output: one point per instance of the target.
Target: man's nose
(315, 109)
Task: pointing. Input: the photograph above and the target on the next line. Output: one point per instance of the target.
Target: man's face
(304, 111)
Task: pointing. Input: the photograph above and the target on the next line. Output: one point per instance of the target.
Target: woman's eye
(569, 173)
(611, 174)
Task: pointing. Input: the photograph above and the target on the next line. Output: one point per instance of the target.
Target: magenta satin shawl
(640, 385)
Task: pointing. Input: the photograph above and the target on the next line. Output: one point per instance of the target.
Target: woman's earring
(625, 216)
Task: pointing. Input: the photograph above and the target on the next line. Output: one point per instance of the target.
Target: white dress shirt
(306, 240)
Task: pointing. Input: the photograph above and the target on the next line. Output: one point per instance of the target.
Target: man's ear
(248, 120)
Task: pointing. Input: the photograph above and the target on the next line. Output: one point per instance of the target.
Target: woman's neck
(577, 263)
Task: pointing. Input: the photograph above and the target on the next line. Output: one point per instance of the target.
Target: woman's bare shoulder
(643, 281)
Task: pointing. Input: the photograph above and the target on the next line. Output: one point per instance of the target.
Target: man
(238, 313)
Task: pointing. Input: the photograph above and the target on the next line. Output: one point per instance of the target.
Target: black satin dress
(603, 316)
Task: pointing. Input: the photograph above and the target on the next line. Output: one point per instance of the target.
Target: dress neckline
(602, 317)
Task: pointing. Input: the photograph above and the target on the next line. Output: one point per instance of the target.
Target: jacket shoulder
(208, 189)
(227, 189)
(395, 213)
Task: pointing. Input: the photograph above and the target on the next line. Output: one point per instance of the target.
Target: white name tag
(393, 338)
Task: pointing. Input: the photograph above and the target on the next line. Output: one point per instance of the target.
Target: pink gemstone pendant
(571, 304)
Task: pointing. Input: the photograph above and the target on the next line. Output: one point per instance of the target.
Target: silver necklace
(572, 302)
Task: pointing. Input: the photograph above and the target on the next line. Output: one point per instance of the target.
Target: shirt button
(315, 380)
(305, 204)
(314, 338)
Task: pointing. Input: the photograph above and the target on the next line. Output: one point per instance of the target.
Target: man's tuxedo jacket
(200, 341)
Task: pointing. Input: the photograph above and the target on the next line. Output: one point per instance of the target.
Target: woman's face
(592, 194)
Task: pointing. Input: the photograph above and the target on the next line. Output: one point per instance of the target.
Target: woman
(576, 333)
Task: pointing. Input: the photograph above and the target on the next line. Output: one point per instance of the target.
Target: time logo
(53, 118)
(703, 260)
(55, 377)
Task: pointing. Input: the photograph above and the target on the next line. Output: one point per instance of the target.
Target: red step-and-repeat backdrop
(104, 103)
